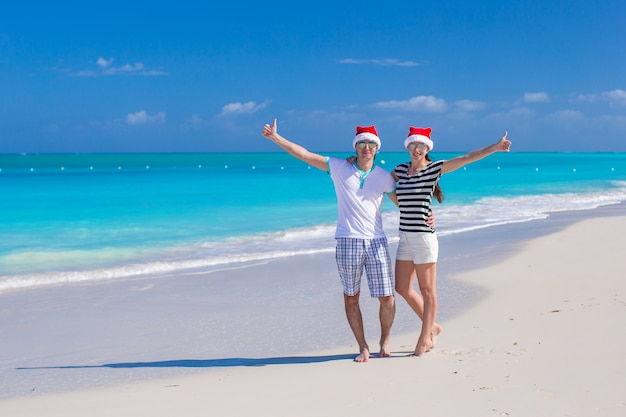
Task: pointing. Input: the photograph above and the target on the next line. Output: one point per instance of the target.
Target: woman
(418, 181)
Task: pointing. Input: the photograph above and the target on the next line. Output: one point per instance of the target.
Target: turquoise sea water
(85, 217)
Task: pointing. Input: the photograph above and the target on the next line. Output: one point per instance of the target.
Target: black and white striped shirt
(415, 194)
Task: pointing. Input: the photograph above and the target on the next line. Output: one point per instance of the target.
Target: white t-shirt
(360, 198)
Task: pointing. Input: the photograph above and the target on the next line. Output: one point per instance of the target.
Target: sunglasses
(370, 145)
(420, 146)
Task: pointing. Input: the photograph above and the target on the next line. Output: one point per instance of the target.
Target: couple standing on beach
(360, 187)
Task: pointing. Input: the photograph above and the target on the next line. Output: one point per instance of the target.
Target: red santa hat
(366, 133)
(421, 135)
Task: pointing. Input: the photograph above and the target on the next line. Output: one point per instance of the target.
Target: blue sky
(205, 76)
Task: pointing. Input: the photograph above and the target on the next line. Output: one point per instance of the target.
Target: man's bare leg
(355, 320)
(386, 314)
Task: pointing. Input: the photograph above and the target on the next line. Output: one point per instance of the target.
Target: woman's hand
(504, 144)
(270, 132)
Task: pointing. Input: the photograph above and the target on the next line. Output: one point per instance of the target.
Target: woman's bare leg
(427, 281)
(405, 279)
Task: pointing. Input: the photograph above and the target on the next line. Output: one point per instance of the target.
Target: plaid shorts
(373, 254)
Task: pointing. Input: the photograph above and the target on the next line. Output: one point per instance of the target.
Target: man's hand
(430, 220)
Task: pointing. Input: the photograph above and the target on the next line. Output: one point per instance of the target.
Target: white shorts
(421, 248)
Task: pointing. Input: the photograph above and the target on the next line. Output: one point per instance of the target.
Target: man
(361, 242)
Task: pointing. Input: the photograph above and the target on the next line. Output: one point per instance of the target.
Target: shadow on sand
(207, 363)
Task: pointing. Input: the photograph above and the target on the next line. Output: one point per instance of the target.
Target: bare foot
(384, 351)
(422, 348)
(434, 333)
(364, 356)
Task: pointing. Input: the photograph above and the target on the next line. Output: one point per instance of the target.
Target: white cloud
(469, 106)
(573, 119)
(86, 73)
(427, 104)
(590, 98)
(249, 107)
(616, 96)
(566, 116)
(194, 120)
(522, 113)
(536, 97)
(106, 69)
(142, 117)
(324, 117)
(389, 62)
(125, 68)
(192, 123)
(103, 63)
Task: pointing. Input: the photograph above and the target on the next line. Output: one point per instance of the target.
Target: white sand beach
(545, 338)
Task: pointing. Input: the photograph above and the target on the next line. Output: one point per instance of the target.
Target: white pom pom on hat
(421, 135)
(366, 133)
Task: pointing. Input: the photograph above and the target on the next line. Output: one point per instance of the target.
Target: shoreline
(198, 372)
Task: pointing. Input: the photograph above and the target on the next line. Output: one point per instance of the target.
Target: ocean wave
(451, 219)
(134, 270)
(495, 211)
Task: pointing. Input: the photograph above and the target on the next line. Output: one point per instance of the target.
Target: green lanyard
(363, 173)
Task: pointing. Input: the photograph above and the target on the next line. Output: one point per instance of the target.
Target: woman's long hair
(438, 193)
